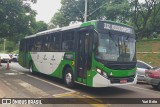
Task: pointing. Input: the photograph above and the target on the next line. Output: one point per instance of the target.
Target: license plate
(123, 81)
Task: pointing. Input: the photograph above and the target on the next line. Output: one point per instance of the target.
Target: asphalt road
(18, 82)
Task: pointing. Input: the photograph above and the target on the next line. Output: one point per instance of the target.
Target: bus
(94, 53)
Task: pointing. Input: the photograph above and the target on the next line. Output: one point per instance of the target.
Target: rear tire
(68, 78)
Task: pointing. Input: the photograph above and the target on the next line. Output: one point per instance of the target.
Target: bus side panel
(64, 63)
(51, 63)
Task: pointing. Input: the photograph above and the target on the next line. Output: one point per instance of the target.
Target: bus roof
(89, 23)
(54, 30)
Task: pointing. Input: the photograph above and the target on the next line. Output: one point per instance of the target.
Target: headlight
(104, 74)
(99, 71)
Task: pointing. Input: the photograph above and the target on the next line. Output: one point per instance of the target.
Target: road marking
(12, 73)
(65, 94)
(52, 84)
(92, 101)
(13, 70)
(31, 88)
(7, 83)
(98, 101)
(84, 98)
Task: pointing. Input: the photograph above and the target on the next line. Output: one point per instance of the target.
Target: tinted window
(36, 45)
(46, 43)
(68, 41)
(54, 42)
(30, 44)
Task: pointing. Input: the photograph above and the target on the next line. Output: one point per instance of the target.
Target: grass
(152, 59)
(149, 46)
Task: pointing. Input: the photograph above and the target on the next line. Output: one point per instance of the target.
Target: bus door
(82, 55)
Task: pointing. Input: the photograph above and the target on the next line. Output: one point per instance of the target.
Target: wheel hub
(68, 78)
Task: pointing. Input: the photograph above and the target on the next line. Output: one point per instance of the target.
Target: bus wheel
(31, 67)
(68, 78)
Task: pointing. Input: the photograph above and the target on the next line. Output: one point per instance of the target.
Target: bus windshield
(115, 47)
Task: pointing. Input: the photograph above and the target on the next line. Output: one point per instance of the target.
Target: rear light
(151, 75)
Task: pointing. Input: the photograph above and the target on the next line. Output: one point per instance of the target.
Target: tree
(146, 17)
(73, 10)
(40, 26)
(16, 17)
(117, 10)
(16, 20)
(59, 20)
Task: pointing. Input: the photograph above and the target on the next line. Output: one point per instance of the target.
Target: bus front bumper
(100, 81)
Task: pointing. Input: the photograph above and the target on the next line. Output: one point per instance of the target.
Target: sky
(46, 9)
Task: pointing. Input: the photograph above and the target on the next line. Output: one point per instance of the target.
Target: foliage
(9, 46)
(16, 17)
(117, 10)
(39, 26)
(59, 20)
(146, 18)
(73, 10)
(17, 20)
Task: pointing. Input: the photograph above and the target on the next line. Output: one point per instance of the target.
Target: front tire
(68, 78)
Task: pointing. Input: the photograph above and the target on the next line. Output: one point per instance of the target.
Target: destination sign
(118, 28)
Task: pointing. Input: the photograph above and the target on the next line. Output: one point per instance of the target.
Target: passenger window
(46, 40)
(68, 41)
(54, 44)
(31, 43)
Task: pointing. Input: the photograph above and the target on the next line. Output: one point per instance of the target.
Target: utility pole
(85, 14)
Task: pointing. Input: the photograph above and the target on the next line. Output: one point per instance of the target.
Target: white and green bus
(94, 53)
